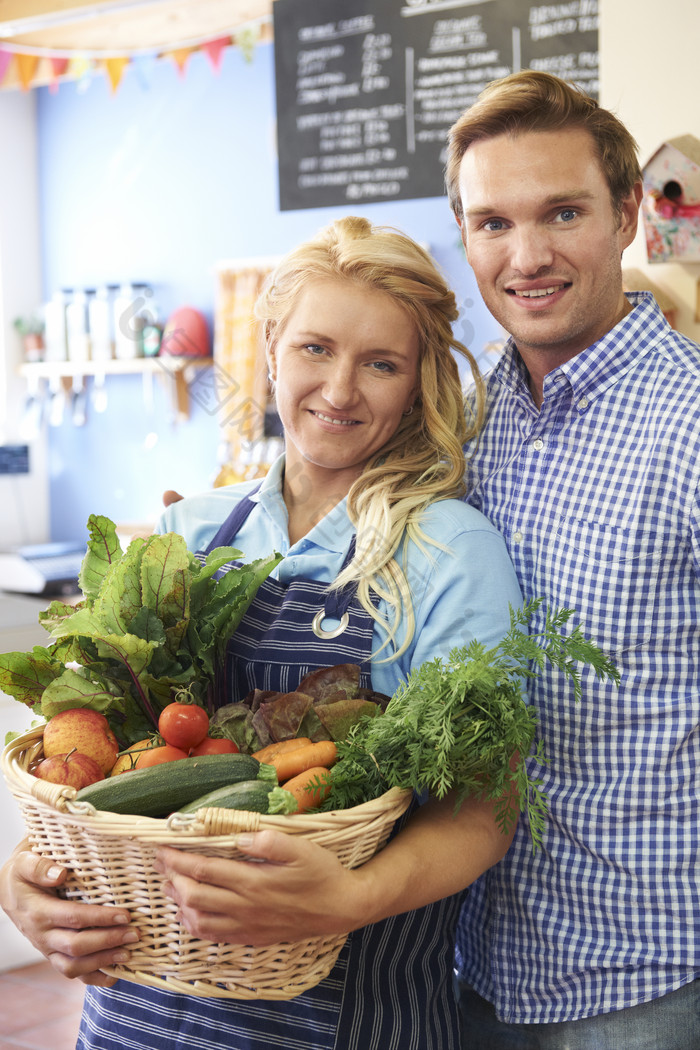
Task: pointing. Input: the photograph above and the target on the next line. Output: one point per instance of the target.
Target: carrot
(290, 763)
(266, 754)
(306, 790)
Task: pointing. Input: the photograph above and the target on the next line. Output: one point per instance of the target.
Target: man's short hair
(534, 101)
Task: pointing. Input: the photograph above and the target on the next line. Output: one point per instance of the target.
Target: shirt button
(517, 537)
(583, 403)
(538, 444)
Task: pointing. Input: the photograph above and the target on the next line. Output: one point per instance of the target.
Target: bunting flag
(180, 57)
(80, 69)
(215, 50)
(144, 68)
(26, 68)
(43, 66)
(59, 67)
(115, 70)
(5, 59)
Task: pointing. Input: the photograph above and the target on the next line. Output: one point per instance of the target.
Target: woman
(384, 567)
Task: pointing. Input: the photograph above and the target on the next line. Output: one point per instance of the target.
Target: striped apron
(391, 988)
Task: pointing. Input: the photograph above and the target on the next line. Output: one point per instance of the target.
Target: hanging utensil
(99, 393)
(57, 401)
(33, 412)
(78, 412)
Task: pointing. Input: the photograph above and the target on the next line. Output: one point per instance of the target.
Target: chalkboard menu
(367, 89)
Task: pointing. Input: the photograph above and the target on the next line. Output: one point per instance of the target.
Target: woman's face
(345, 366)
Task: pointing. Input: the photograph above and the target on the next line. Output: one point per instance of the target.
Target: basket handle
(56, 795)
(210, 820)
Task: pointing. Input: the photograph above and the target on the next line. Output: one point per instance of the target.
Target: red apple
(85, 730)
(74, 769)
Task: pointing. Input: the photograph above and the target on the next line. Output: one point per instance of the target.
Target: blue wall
(157, 183)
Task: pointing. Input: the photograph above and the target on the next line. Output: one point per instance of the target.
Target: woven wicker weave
(110, 861)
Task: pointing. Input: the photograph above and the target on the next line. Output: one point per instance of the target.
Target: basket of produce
(109, 857)
(121, 764)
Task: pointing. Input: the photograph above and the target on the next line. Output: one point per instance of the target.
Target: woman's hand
(76, 938)
(291, 889)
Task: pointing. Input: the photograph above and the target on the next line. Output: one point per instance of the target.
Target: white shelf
(179, 371)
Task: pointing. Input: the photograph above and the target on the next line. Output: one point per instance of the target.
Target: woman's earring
(408, 410)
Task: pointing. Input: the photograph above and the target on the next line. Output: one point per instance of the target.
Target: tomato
(156, 755)
(215, 746)
(183, 725)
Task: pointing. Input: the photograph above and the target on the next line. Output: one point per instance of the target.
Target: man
(589, 464)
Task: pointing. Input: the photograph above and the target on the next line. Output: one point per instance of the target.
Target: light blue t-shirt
(461, 593)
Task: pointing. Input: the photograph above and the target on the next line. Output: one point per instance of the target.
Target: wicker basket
(109, 860)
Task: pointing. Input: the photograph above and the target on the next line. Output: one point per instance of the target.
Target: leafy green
(462, 725)
(152, 619)
(322, 707)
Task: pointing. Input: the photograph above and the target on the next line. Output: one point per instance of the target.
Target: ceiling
(114, 26)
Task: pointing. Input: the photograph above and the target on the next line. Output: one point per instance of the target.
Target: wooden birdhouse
(671, 204)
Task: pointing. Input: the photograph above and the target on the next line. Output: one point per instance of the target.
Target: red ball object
(186, 334)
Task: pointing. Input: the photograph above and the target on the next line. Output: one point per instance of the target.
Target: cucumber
(158, 790)
(251, 795)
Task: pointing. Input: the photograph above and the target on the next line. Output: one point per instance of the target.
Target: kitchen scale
(42, 568)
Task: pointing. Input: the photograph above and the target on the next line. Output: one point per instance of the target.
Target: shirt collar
(334, 531)
(596, 368)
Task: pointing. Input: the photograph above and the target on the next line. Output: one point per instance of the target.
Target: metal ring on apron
(320, 632)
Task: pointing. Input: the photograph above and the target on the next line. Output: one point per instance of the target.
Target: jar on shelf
(77, 325)
(101, 323)
(130, 309)
(55, 334)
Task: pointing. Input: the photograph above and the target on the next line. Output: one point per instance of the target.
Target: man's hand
(171, 496)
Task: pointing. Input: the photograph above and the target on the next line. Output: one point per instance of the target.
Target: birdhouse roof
(688, 145)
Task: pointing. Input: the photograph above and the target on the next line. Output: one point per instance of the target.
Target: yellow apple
(84, 730)
(74, 769)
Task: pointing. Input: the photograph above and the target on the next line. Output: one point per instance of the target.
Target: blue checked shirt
(597, 497)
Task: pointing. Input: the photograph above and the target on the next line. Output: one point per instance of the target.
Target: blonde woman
(384, 566)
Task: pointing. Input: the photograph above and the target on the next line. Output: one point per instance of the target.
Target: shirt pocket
(611, 576)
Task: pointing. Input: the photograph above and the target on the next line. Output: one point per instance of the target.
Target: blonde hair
(535, 101)
(424, 460)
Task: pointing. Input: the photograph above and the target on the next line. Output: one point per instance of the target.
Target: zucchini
(156, 791)
(251, 795)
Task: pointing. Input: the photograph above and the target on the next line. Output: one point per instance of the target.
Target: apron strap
(336, 603)
(230, 528)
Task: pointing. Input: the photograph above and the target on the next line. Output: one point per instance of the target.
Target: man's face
(543, 240)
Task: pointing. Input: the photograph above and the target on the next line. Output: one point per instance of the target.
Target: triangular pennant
(180, 57)
(26, 68)
(115, 70)
(79, 66)
(80, 69)
(58, 68)
(5, 59)
(215, 50)
(246, 41)
(144, 66)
